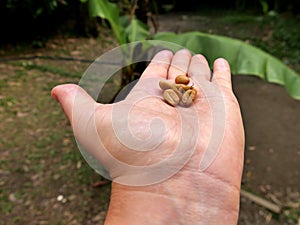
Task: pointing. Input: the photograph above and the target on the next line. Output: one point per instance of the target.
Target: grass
(284, 40)
(277, 35)
(52, 69)
(38, 151)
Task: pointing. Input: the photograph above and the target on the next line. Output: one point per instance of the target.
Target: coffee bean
(176, 92)
(171, 97)
(182, 87)
(188, 97)
(182, 79)
(164, 85)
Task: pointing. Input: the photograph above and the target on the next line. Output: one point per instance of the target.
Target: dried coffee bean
(182, 79)
(171, 97)
(164, 85)
(181, 90)
(182, 86)
(178, 93)
(188, 97)
(195, 91)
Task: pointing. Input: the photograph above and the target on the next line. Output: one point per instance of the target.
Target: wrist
(139, 205)
(169, 204)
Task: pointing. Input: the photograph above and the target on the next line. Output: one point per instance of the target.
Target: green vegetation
(51, 69)
(244, 58)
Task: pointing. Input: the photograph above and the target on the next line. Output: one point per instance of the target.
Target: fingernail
(202, 58)
(222, 64)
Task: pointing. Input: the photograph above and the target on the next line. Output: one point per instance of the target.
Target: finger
(159, 65)
(70, 96)
(222, 74)
(199, 68)
(180, 63)
(81, 110)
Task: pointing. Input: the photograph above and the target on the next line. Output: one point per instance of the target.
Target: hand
(201, 147)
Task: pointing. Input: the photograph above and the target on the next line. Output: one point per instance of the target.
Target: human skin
(192, 195)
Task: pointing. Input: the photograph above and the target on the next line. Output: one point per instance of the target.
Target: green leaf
(109, 11)
(136, 31)
(124, 20)
(264, 6)
(242, 57)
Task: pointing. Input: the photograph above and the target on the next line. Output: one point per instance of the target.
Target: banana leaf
(242, 57)
(124, 28)
(109, 11)
(136, 31)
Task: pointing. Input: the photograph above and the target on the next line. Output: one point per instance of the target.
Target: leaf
(124, 20)
(136, 31)
(109, 11)
(242, 57)
(264, 6)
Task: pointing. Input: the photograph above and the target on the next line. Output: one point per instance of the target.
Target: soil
(44, 179)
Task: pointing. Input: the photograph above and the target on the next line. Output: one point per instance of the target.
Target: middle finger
(179, 64)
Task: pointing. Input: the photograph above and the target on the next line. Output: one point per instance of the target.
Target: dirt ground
(44, 179)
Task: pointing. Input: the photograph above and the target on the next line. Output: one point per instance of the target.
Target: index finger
(159, 65)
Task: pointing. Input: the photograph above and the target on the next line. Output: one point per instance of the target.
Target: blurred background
(43, 177)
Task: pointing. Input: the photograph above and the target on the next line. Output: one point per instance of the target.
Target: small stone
(12, 197)
(60, 198)
(251, 148)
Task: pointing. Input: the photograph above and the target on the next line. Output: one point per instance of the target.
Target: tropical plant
(264, 6)
(127, 28)
(243, 58)
(33, 8)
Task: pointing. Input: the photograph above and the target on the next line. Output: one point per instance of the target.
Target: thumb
(80, 109)
(71, 95)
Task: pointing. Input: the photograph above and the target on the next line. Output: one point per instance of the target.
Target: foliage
(261, 6)
(264, 6)
(243, 58)
(125, 28)
(284, 41)
(35, 8)
(288, 32)
(29, 20)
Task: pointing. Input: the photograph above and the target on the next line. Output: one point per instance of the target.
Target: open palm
(189, 160)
